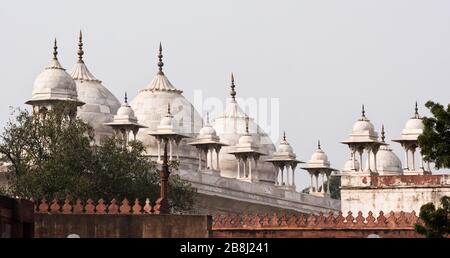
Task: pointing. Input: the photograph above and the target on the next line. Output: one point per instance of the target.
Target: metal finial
(284, 135)
(55, 51)
(246, 124)
(318, 144)
(160, 62)
(382, 133)
(80, 48)
(168, 108)
(232, 92)
(416, 109)
(126, 98)
(363, 112)
(207, 118)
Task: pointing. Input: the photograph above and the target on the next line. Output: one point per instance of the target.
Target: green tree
(435, 139)
(55, 157)
(434, 223)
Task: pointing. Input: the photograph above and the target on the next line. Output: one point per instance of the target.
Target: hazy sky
(322, 59)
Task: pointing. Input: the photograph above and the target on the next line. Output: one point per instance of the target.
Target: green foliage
(435, 139)
(435, 223)
(56, 157)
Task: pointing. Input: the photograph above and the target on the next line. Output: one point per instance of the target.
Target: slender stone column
(368, 159)
(323, 182)
(328, 184)
(312, 184)
(287, 175)
(317, 182)
(239, 167)
(250, 168)
(375, 160)
(217, 157)
(159, 149)
(244, 164)
(199, 159)
(413, 152)
(360, 160)
(282, 176)
(293, 176)
(406, 158)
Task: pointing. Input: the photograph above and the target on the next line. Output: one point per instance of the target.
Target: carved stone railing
(400, 220)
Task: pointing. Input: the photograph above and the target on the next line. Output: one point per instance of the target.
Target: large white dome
(150, 107)
(230, 126)
(100, 104)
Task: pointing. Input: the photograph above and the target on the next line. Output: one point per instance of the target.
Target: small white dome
(166, 121)
(349, 165)
(285, 147)
(319, 155)
(125, 110)
(54, 83)
(246, 139)
(414, 124)
(207, 130)
(387, 162)
(363, 125)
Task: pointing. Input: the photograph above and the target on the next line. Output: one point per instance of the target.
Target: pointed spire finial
(246, 124)
(160, 62)
(55, 51)
(168, 108)
(416, 109)
(126, 98)
(318, 144)
(382, 133)
(207, 118)
(232, 92)
(284, 135)
(80, 48)
(363, 112)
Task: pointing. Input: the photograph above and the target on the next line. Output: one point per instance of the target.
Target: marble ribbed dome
(150, 107)
(230, 126)
(54, 83)
(100, 104)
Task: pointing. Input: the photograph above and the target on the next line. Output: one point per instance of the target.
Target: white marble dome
(207, 130)
(150, 108)
(126, 110)
(363, 125)
(245, 139)
(387, 162)
(414, 124)
(230, 126)
(319, 156)
(54, 83)
(285, 147)
(100, 104)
